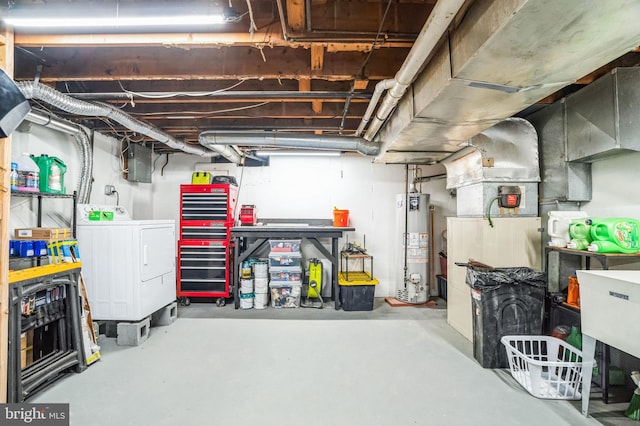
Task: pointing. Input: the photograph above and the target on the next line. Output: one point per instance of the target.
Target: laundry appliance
(128, 265)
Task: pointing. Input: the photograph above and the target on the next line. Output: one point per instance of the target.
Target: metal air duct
(503, 155)
(504, 56)
(217, 140)
(74, 106)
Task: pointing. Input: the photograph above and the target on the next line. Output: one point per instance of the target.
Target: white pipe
(377, 93)
(437, 24)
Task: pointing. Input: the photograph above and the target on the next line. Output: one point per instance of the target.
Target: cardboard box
(26, 349)
(48, 234)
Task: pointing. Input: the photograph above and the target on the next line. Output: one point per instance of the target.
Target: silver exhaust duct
(215, 139)
(66, 103)
(84, 146)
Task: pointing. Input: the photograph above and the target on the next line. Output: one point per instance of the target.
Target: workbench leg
(588, 354)
(334, 273)
(236, 273)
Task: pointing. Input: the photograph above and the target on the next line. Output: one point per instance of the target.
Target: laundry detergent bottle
(580, 233)
(52, 171)
(615, 235)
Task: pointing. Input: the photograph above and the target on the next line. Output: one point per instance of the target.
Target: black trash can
(505, 301)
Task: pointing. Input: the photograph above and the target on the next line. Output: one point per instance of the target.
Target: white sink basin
(610, 308)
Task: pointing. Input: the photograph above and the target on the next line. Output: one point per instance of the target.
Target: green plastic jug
(615, 235)
(580, 233)
(52, 171)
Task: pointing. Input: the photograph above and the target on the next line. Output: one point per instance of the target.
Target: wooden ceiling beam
(227, 63)
(269, 37)
(317, 57)
(247, 109)
(295, 14)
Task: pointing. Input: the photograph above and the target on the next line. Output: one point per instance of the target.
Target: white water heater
(412, 247)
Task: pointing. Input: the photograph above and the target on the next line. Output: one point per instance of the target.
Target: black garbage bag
(505, 301)
(481, 278)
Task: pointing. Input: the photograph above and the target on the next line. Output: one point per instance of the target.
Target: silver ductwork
(505, 154)
(504, 56)
(602, 118)
(33, 90)
(84, 147)
(217, 140)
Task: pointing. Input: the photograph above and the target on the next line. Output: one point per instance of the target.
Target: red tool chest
(204, 246)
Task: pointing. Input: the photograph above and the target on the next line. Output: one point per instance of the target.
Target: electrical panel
(138, 163)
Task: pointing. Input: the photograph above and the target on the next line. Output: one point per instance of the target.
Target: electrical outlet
(109, 189)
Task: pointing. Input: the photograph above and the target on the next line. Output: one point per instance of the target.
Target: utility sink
(610, 313)
(610, 307)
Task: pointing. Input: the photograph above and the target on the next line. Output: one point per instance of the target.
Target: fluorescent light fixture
(116, 21)
(115, 16)
(298, 153)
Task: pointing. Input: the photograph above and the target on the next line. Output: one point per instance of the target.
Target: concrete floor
(390, 366)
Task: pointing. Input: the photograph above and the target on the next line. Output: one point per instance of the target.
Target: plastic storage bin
(505, 301)
(357, 297)
(442, 286)
(282, 259)
(547, 367)
(285, 273)
(285, 246)
(285, 295)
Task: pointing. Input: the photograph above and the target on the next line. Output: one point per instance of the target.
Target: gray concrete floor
(390, 366)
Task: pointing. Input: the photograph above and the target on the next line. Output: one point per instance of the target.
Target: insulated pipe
(380, 87)
(439, 20)
(74, 106)
(212, 139)
(82, 140)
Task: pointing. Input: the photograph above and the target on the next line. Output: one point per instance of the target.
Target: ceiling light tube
(108, 15)
(147, 21)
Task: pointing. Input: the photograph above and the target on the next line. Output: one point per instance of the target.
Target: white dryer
(128, 266)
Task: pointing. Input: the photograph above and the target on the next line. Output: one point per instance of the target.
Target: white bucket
(261, 300)
(261, 269)
(262, 285)
(558, 226)
(246, 302)
(246, 286)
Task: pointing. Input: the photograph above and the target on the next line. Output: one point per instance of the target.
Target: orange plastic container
(340, 218)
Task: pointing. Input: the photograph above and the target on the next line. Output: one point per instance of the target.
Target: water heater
(412, 247)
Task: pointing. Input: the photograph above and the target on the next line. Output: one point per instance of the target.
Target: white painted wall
(292, 187)
(307, 188)
(614, 187)
(37, 140)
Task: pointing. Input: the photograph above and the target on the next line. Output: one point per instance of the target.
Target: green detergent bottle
(615, 235)
(580, 233)
(52, 171)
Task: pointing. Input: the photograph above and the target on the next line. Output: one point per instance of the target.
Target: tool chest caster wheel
(185, 301)
(220, 302)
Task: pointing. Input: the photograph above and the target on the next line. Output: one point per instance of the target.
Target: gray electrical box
(138, 163)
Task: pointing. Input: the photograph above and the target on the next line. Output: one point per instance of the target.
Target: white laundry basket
(545, 366)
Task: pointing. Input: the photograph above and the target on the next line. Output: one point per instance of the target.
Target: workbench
(249, 240)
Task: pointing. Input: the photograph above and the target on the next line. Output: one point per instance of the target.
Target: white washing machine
(128, 266)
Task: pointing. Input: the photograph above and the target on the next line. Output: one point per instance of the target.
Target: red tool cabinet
(205, 249)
